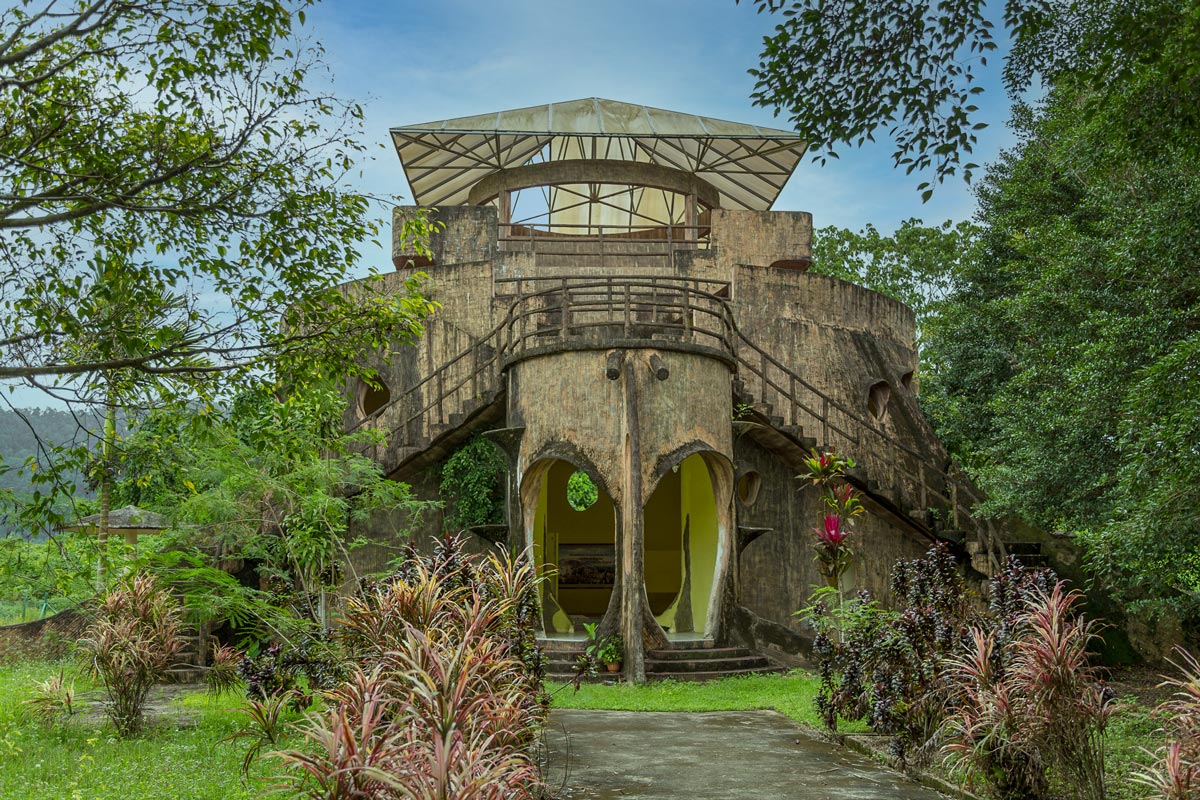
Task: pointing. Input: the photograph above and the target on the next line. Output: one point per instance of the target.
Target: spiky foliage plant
(131, 644)
(1039, 709)
(222, 675)
(1176, 772)
(447, 700)
(52, 699)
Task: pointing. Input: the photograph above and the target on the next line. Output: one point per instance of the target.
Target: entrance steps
(695, 660)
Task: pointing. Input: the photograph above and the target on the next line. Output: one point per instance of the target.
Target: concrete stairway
(782, 411)
(191, 663)
(700, 661)
(685, 661)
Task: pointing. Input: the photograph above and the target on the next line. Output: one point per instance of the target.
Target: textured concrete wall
(761, 237)
(778, 571)
(840, 337)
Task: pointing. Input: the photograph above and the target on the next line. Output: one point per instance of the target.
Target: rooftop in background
(748, 165)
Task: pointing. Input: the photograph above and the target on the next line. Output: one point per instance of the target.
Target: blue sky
(409, 63)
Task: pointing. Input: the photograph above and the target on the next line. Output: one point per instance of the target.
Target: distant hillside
(19, 434)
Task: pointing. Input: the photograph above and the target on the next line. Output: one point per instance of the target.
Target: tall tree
(182, 149)
(844, 71)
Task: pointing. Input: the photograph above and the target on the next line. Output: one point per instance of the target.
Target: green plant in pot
(607, 650)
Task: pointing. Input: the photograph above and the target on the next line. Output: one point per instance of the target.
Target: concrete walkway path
(606, 755)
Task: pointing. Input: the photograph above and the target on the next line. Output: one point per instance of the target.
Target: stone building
(619, 299)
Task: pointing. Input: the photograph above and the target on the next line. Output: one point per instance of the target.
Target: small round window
(877, 399)
(747, 488)
(581, 491)
(372, 398)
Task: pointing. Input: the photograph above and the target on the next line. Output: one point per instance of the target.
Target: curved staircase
(917, 486)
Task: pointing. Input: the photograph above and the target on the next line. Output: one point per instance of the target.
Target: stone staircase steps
(697, 660)
(692, 654)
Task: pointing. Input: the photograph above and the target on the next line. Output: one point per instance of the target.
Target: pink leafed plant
(1176, 772)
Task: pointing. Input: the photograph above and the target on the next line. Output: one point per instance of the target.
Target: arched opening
(681, 539)
(877, 399)
(372, 398)
(575, 548)
(747, 488)
(906, 380)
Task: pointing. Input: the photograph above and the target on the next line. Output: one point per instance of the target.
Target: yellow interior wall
(545, 550)
(698, 502)
(662, 545)
(595, 525)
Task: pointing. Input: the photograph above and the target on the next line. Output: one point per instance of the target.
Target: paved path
(762, 755)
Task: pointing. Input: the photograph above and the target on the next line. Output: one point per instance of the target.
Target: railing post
(627, 311)
(564, 319)
(824, 421)
(440, 386)
(762, 366)
(953, 502)
(924, 485)
(475, 370)
(600, 243)
(792, 398)
(687, 313)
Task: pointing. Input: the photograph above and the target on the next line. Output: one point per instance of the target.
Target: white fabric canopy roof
(747, 164)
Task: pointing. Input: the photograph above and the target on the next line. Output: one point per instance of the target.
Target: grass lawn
(791, 694)
(180, 756)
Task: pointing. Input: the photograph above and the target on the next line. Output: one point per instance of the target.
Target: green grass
(179, 756)
(791, 694)
(1131, 729)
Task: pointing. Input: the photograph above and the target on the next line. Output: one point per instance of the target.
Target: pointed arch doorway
(574, 547)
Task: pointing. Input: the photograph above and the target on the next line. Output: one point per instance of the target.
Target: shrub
(886, 665)
(1039, 708)
(1176, 773)
(473, 485)
(311, 663)
(447, 701)
(52, 699)
(223, 674)
(132, 644)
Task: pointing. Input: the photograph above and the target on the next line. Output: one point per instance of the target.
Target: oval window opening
(581, 491)
(372, 398)
(906, 380)
(747, 488)
(877, 399)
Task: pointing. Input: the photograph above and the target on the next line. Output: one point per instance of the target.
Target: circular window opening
(877, 399)
(906, 380)
(747, 488)
(372, 398)
(581, 491)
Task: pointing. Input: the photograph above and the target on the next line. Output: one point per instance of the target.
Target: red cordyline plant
(131, 644)
(843, 503)
(447, 704)
(1176, 773)
(1041, 708)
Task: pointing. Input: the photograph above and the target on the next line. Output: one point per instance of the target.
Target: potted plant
(607, 651)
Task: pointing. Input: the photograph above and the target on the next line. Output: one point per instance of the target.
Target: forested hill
(20, 432)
